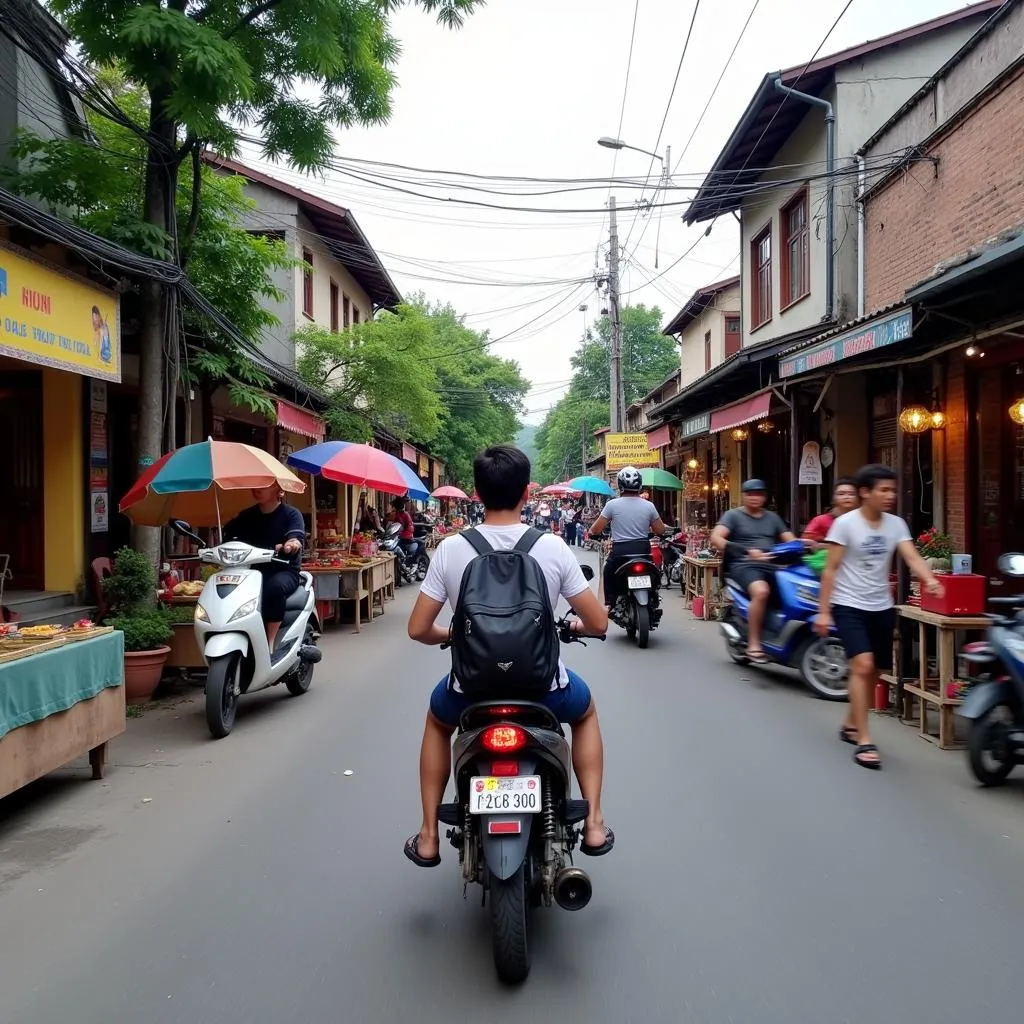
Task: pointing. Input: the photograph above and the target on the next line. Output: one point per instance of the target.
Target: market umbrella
(361, 466)
(205, 484)
(591, 485)
(449, 492)
(534, 486)
(661, 479)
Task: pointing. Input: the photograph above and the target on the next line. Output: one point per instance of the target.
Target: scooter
(233, 638)
(788, 636)
(409, 570)
(994, 706)
(638, 610)
(514, 821)
(672, 551)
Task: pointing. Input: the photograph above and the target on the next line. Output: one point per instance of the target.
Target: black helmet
(753, 486)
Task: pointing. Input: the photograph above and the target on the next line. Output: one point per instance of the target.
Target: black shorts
(746, 573)
(864, 632)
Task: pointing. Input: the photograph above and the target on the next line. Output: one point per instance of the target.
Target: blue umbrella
(591, 485)
(314, 458)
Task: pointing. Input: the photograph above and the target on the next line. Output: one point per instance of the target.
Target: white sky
(526, 88)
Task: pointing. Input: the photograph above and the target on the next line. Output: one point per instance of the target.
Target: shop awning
(300, 421)
(736, 415)
(659, 438)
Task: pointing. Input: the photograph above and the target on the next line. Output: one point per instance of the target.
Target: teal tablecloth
(34, 688)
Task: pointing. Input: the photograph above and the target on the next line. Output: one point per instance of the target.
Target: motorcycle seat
(296, 599)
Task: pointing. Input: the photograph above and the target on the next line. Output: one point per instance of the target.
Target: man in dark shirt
(272, 525)
(745, 535)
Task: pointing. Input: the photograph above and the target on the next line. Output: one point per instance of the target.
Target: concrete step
(65, 616)
(37, 602)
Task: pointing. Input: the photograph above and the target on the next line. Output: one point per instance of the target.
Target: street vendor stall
(60, 697)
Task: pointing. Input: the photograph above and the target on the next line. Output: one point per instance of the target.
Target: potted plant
(936, 549)
(130, 590)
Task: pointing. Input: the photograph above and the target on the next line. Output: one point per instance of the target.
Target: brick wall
(923, 216)
(955, 489)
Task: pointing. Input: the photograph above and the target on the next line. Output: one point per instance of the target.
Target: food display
(188, 588)
(40, 632)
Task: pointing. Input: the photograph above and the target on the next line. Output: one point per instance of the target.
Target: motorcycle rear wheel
(302, 678)
(221, 699)
(735, 651)
(510, 927)
(984, 745)
(643, 625)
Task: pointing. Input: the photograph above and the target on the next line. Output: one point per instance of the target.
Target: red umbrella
(534, 486)
(449, 492)
(363, 466)
(475, 497)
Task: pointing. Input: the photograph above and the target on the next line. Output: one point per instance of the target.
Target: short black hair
(869, 477)
(501, 474)
(844, 481)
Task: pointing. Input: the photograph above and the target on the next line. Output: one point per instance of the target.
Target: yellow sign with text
(628, 450)
(52, 319)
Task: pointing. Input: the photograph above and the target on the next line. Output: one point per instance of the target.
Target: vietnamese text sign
(697, 425)
(52, 319)
(628, 450)
(897, 327)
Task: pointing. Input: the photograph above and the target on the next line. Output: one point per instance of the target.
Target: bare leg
(435, 767)
(863, 677)
(759, 593)
(588, 763)
(272, 628)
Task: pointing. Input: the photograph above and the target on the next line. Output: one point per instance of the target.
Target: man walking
(856, 598)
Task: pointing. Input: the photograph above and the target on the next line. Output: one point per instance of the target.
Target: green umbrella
(661, 479)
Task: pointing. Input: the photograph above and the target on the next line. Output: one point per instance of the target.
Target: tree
(566, 434)
(213, 69)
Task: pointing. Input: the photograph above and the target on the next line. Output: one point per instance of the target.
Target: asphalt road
(759, 876)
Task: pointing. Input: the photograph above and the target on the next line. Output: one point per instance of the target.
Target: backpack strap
(528, 539)
(476, 539)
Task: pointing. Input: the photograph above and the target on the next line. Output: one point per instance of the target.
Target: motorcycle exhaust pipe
(730, 632)
(573, 889)
(310, 654)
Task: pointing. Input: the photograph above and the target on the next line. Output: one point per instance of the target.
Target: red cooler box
(965, 595)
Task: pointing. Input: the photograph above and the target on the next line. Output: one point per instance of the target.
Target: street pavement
(759, 876)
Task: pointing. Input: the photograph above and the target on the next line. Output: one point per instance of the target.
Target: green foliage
(146, 631)
(130, 588)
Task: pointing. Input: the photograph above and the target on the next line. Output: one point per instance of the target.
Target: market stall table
(699, 575)
(58, 704)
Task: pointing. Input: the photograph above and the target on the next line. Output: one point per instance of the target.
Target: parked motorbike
(638, 610)
(514, 820)
(994, 706)
(788, 637)
(672, 551)
(232, 636)
(410, 570)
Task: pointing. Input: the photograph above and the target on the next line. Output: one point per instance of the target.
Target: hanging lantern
(915, 419)
(1017, 411)
(739, 434)
(937, 419)
(692, 465)
(766, 426)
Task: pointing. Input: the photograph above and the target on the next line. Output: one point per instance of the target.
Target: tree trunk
(157, 202)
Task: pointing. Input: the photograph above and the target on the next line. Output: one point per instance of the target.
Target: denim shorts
(569, 704)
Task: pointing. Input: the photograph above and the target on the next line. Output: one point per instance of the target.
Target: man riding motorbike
(407, 537)
(632, 518)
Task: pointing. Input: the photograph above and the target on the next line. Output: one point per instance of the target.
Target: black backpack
(504, 642)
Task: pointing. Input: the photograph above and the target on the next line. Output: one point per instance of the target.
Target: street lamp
(609, 143)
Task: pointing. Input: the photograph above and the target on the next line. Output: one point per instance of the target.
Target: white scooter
(232, 636)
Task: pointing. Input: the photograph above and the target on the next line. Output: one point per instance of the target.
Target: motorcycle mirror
(183, 529)
(588, 573)
(1012, 563)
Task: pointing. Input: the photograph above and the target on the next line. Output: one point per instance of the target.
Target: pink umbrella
(449, 492)
(556, 490)
(363, 466)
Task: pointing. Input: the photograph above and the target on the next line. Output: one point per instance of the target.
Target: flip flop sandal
(412, 852)
(867, 748)
(848, 734)
(757, 657)
(605, 847)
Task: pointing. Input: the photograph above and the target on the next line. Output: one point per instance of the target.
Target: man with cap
(745, 535)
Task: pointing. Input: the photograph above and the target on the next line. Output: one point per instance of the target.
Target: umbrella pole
(216, 501)
(312, 509)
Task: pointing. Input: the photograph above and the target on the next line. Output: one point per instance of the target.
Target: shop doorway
(21, 474)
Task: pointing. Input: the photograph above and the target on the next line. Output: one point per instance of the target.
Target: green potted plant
(130, 590)
(936, 549)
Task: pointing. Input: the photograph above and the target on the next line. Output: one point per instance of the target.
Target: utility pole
(583, 447)
(615, 360)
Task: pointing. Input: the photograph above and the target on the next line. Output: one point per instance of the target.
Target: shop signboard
(629, 450)
(697, 425)
(898, 326)
(52, 319)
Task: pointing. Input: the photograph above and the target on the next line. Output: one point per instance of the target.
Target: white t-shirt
(561, 570)
(862, 580)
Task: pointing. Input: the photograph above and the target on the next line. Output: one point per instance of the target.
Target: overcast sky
(525, 89)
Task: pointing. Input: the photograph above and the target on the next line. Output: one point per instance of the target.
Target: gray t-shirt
(862, 579)
(760, 533)
(630, 518)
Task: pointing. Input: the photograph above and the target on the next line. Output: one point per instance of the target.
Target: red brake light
(505, 768)
(639, 567)
(503, 712)
(502, 739)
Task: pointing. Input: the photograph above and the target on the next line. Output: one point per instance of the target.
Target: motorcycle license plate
(229, 579)
(639, 582)
(518, 794)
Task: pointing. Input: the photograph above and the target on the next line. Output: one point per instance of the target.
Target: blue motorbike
(788, 637)
(994, 706)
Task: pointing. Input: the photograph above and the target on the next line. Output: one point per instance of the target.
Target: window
(707, 351)
(355, 313)
(761, 279)
(346, 310)
(732, 334)
(307, 283)
(334, 306)
(795, 240)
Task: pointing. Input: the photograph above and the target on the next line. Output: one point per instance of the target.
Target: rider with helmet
(632, 519)
(745, 536)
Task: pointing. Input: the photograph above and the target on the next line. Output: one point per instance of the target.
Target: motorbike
(638, 610)
(994, 705)
(514, 821)
(672, 551)
(409, 570)
(232, 636)
(788, 636)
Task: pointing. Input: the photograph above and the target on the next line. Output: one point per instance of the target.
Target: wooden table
(932, 692)
(373, 583)
(698, 576)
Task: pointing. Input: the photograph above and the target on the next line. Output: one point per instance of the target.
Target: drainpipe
(830, 194)
(862, 177)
